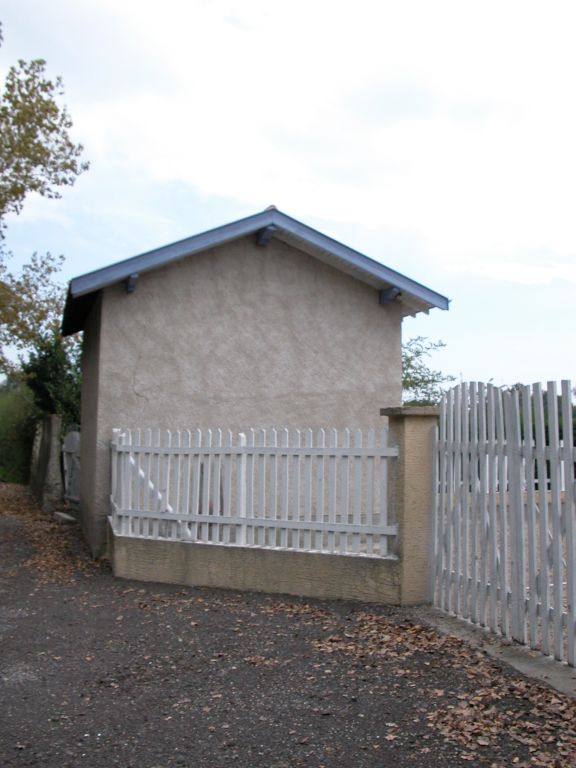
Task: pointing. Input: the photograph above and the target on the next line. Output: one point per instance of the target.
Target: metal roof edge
(363, 262)
(144, 262)
(92, 282)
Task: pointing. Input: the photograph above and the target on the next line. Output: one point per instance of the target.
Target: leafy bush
(18, 416)
(54, 377)
(421, 384)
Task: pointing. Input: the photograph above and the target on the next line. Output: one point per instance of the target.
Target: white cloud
(436, 135)
(453, 121)
(544, 271)
(450, 120)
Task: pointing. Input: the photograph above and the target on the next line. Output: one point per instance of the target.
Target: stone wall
(45, 466)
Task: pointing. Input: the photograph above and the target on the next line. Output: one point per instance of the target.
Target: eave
(267, 225)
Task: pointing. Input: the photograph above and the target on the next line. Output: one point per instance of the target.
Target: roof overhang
(267, 225)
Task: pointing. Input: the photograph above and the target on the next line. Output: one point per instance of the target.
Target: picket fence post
(516, 512)
(242, 538)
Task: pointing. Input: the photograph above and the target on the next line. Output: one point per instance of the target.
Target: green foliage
(36, 151)
(31, 305)
(421, 385)
(37, 156)
(54, 377)
(18, 415)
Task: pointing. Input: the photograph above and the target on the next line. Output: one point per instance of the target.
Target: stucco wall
(239, 336)
(91, 459)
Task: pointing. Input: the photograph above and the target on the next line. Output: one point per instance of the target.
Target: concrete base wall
(257, 570)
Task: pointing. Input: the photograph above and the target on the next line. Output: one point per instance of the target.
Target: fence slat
(196, 490)
(357, 492)
(516, 516)
(151, 489)
(186, 480)
(474, 512)
(483, 507)
(465, 501)
(345, 480)
(569, 457)
(216, 488)
(503, 517)
(450, 576)
(458, 585)
(261, 486)
(492, 460)
(369, 504)
(273, 495)
(556, 512)
(285, 490)
(530, 514)
(383, 516)
(332, 480)
(440, 506)
(158, 478)
(250, 445)
(175, 501)
(241, 491)
(226, 484)
(543, 576)
(308, 442)
(320, 443)
(295, 514)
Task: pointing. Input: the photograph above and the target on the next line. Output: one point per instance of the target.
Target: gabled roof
(269, 224)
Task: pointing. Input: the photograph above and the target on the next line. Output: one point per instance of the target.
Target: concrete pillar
(412, 430)
(35, 457)
(46, 475)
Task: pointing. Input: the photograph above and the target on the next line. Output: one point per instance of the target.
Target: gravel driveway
(99, 672)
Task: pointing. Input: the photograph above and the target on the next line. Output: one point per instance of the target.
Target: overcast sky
(436, 137)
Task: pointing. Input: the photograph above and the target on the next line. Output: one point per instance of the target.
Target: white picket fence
(505, 513)
(324, 491)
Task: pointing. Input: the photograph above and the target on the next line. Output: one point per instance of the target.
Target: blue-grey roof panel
(286, 228)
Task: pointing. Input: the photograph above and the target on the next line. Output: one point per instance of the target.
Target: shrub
(18, 416)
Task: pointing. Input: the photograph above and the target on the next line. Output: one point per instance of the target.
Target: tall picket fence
(323, 491)
(505, 513)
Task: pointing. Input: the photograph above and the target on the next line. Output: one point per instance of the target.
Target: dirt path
(100, 672)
